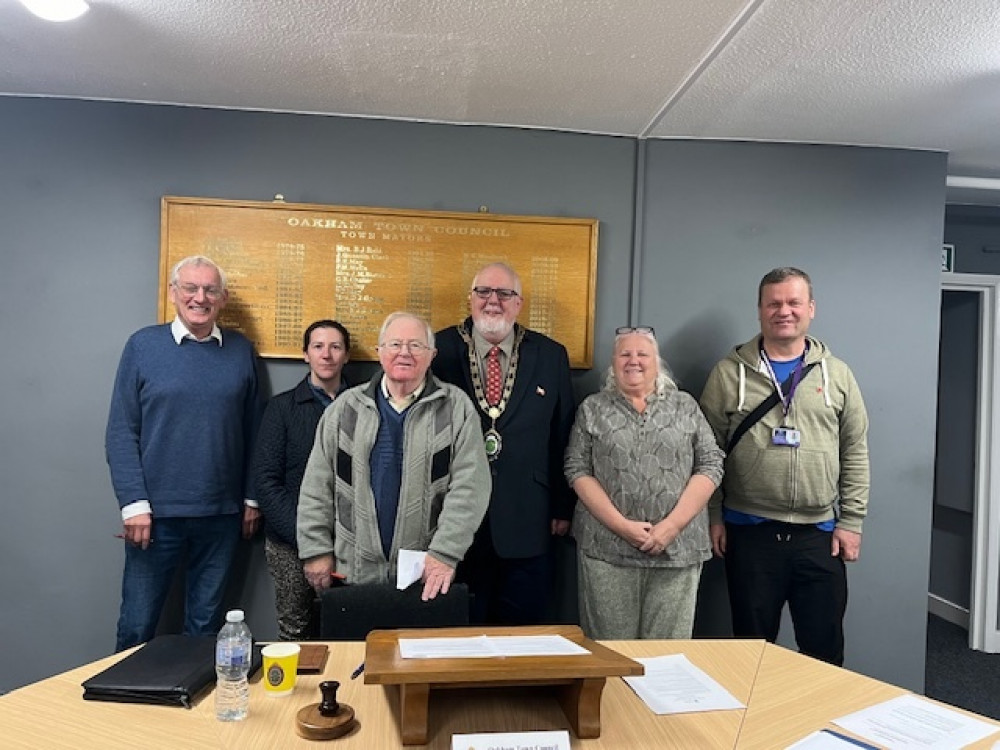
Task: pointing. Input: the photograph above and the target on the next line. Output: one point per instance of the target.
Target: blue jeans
(210, 544)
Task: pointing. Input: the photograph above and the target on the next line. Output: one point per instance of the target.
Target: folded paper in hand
(409, 567)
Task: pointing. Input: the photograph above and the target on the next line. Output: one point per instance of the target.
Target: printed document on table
(909, 722)
(536, 645)
(825, 739)
(673, 685)
(409, 567)
(483, 646)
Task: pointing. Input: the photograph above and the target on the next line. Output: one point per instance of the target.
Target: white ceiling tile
(910, 73)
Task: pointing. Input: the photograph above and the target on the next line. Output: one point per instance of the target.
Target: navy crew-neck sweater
(181, 423)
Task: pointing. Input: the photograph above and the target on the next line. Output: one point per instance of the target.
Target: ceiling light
(974, 183)
(56, 10)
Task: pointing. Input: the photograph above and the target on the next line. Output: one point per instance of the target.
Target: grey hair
(196, 260)
(664, 377)
(503, 267)
(399, 315)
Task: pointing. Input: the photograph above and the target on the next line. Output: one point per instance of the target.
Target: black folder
(170, 670)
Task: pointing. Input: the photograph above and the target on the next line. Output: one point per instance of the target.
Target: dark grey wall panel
(975, 233)
(867, 225)
(951, 556)
(957, 406)
(79, 216)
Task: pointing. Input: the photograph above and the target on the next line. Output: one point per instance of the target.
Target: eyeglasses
(484, 292)
(190, 290)
(622, 330)
(416, 348)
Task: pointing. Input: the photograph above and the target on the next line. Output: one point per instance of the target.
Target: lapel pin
(539, 390)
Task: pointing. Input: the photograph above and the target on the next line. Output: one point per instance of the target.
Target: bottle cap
(234, 615)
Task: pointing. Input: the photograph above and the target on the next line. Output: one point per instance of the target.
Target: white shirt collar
(180, 332)
(401, 405)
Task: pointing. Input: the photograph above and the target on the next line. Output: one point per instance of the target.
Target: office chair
(349, 613)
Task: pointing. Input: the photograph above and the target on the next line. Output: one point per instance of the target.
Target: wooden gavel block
(328, 719)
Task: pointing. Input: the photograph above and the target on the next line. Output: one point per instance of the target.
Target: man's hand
(661, 536)
(251, 521)
(718, 533)
(137, 530)
(559, 527)
(437, 577)
(317, 571)
(846, 544)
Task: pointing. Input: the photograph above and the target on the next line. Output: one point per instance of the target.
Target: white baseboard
(948, 611)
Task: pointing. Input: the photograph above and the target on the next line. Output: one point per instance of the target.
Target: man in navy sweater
(179, 433)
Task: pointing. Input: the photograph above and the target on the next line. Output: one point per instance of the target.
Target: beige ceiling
(910, 73)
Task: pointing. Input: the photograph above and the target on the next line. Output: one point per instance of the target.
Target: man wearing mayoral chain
(520, 381)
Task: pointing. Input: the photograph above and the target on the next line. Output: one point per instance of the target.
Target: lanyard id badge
(785, 435)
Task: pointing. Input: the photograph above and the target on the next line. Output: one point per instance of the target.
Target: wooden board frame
(288, 264)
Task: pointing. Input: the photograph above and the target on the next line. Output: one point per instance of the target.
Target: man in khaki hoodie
(789, 511)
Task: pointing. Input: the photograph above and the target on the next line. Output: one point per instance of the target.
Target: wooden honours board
(288, 264)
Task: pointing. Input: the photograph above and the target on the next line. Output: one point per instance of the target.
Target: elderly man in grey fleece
(397, 464)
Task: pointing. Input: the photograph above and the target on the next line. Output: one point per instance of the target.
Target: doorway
(965, 544)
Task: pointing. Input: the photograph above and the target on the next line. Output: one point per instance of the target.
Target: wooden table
(794, 695)
(787, 696)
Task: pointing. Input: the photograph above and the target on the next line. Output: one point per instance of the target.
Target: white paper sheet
(827, 740)
(673, 685)
(910, 722)
(409, 567)
(445, 648)
(482, 646)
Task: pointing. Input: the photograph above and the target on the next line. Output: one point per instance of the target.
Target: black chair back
(349, 613)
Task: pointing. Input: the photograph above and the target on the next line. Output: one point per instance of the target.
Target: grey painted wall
(79, 216)
(975, 233)
(864, 223)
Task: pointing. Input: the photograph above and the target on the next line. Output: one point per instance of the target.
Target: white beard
(492, 326)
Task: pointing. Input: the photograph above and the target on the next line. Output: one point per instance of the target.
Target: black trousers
(773, 563)
(505, 591)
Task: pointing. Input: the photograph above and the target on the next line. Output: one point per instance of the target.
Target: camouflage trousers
(294, 598)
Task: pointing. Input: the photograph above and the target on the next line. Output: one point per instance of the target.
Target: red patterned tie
(493, 376)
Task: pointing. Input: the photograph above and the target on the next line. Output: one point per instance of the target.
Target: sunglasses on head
(622, 330)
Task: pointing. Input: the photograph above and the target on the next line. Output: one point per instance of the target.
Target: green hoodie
(826, 476)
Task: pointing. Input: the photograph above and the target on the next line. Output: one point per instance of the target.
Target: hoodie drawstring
(743, 387)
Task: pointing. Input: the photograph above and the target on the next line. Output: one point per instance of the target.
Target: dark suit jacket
(284, 442)
(529, 487)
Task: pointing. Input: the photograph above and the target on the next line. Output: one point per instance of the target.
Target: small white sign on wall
(947, 258)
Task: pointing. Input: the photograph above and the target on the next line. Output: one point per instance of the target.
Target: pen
(357, 672)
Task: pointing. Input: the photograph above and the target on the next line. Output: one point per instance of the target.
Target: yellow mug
(281, 663)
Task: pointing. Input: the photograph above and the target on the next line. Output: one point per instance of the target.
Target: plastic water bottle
(232, 664)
